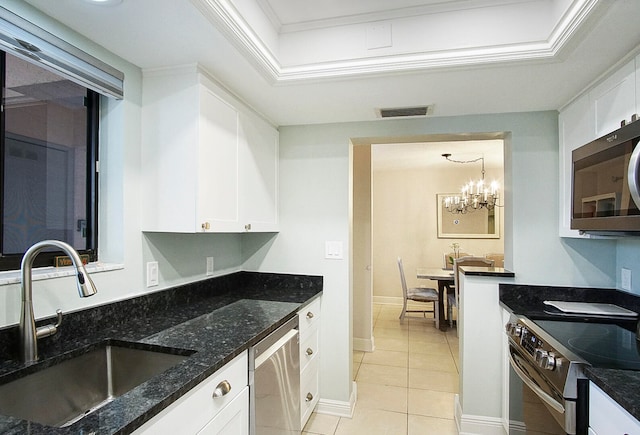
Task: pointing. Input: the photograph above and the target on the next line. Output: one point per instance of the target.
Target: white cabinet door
(210, 164)
(233, 419)
(607, 417)
(638, 85)
(576, 127)
(218, 153)
(259, 174)
(615, 99)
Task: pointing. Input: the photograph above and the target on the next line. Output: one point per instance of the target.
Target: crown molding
(227, 19)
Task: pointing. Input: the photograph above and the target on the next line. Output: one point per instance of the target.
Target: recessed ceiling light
(104, 2)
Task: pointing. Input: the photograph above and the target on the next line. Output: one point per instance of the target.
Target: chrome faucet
(29, 334)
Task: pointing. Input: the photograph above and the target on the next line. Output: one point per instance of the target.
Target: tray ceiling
(302, 65)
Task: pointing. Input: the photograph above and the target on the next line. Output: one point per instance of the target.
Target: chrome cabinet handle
(222, 389)
(309, 351)
(309, 397)
(309, 315)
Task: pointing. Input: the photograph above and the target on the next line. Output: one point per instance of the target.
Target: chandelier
(474, 195)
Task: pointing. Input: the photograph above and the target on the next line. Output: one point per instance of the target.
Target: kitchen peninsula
(218, 318)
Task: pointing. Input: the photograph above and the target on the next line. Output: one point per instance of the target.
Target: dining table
(444, 277)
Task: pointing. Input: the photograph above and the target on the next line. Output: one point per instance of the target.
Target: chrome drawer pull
(309, 397)
(309, 351)
(309, 315)
(222, 389)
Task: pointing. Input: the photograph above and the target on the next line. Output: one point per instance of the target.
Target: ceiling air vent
(403, 112)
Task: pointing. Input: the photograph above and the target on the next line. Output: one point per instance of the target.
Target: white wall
(361, 245)
(405, 223)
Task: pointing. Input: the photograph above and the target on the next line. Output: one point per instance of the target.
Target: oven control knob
(514, 329)
(539, 355)
(548, 362)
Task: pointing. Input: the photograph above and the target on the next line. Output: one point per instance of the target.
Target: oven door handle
(536, 389)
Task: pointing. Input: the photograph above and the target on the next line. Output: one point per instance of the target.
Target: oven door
(534, 404)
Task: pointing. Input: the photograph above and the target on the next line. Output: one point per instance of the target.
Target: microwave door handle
(632, 175)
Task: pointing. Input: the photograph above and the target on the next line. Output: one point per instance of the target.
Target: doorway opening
(395, 189)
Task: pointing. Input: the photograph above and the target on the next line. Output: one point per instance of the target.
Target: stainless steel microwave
(606, 188)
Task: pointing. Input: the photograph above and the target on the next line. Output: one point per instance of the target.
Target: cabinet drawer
(192, 412)
(309, 390)
(309, 316)
(308, 348)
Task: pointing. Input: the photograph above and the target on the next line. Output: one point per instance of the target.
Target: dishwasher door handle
(266, 354)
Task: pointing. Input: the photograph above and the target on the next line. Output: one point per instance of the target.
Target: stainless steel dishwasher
(274, 382)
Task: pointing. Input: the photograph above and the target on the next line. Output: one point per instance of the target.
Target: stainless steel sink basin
(64, 393)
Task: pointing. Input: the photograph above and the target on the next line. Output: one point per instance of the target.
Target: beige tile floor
(406, 386)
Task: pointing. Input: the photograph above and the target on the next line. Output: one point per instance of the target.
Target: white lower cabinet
(218, 405)
(606, 417)
(233, 419)
(309, 324)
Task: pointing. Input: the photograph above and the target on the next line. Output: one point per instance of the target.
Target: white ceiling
(429, 155)
(298, 66)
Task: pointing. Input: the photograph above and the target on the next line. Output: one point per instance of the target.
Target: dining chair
(447, 259)
(498, 259)
(453, 299)
(418, 294)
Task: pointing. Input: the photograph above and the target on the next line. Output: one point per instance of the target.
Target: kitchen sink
(64, 393)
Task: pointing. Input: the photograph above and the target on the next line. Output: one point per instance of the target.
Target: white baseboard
(337, 407)
(517, 428)
(390, 300)
(364, 344)
(476, 424)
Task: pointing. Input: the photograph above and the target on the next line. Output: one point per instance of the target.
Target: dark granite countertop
(486, 271)
(623, 386)
(217, 318)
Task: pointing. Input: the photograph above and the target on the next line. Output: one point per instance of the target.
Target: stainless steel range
(549, 370)
(549, 356)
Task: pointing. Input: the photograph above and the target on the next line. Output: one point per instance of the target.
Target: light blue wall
(314, 208)
(628, 256)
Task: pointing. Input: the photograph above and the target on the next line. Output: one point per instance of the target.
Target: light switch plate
(209, 266)
(333, 251)
(152, 273)
(626, 279)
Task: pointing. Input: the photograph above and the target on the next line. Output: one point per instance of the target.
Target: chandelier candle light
(474, 195)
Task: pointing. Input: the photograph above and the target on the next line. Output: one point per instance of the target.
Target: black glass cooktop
(604, 345)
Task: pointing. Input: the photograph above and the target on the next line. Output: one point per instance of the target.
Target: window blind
(24, 39)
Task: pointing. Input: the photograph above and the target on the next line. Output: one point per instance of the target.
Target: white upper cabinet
(638, 84)
(615, 99)
(259, 183)
(576, 127)
(209, 163)
(595, 113)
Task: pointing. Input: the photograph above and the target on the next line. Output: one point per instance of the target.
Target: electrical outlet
(152, 273)
(626, 278)
(209, 265)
